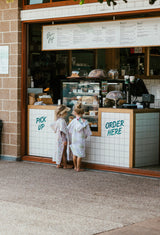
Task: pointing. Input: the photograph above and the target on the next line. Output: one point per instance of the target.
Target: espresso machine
(129, 80)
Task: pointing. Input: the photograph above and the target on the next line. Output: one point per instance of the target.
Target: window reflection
(59, 0)
(154, 61)
(31, 2)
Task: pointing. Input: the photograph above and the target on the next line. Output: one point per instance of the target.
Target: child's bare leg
(79, 164)
(75, 162)
(64, 160)
(59, 166)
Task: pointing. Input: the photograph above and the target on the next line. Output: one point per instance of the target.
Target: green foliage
(8, 1)
(114, 2)
(152, 1)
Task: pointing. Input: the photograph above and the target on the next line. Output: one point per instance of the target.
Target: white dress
(79, 130)
(60, 127)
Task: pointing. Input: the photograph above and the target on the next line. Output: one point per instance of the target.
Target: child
(79, 130)
(60, 127)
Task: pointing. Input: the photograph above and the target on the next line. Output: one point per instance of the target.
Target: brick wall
(10, 35)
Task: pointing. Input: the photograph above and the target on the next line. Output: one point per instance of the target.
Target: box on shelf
(31, 98)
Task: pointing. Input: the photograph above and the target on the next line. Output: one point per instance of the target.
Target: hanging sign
(3, 59)
(126, 33)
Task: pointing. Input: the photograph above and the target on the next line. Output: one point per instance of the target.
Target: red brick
(16, 26)
(0, 37)
(11, 14)
(4, 94)
(10, 128)
(0, 105)
(13, 94)
(10, 105)
(5, 138)
(4, 5)
(15, 117)
(10, 37)
(4, 115)
(4, 26)
(14, 71)
(10, 83)
(1, 14)
(14, 49)
(10, 150)
(14, 139)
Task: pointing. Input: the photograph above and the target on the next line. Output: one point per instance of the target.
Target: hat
(61, 109)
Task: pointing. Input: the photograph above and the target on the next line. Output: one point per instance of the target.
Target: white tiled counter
(147, 139)
(126, 137)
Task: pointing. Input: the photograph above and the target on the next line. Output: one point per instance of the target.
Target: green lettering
(122, 122)
(120, 131)
(118, 123)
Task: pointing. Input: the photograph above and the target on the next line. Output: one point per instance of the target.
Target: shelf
(154, 55)
(92, 105)
(86, 93)
(94, 126)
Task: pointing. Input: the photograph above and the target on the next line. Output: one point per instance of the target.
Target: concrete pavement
(147, 227)
(40, 199)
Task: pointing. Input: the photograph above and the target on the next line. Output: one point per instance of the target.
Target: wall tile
(147, 139)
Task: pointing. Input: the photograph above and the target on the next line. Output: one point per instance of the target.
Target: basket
(45, 100)
(31, 99)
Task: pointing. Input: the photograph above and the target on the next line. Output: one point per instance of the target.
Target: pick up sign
(40, 121)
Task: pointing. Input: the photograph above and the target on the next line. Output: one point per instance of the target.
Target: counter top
(103, 109)
(50, 107)
(123, 110)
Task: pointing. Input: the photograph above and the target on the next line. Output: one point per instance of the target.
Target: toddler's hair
(78, 109)
(61, 110)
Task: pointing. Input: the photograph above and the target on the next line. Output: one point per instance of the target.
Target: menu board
(126, 33)
(3, 59)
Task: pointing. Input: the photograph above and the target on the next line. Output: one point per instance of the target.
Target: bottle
(59, 101)
(32, 82)
(128, 69)
(123, 71)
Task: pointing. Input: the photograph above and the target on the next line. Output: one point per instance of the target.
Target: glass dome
(97, 73)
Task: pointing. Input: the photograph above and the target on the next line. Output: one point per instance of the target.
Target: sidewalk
(147, 227)
(39, 199)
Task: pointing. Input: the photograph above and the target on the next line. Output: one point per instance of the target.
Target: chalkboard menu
(125, 33)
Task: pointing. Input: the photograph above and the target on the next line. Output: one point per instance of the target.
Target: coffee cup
(132, 79)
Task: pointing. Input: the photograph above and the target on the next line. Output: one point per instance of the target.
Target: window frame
(53, 4)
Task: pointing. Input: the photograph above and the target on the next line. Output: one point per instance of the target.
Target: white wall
(86, 9)
(153, 86)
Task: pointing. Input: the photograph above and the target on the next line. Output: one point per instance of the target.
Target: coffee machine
(135, 88)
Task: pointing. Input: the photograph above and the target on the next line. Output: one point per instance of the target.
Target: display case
(89, 93)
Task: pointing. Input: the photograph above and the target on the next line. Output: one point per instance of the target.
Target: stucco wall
(10, 35)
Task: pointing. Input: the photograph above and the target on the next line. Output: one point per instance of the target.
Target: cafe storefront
(118, 42)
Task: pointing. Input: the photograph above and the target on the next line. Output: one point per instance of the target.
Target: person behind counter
(56, 82)
(79, 130)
